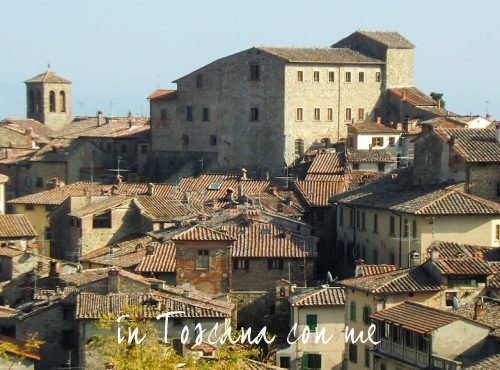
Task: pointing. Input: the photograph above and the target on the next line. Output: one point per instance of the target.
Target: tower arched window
(31, 101)
(62, 101)
(38, 102)
(52, 101)
(299, 147)
(185, 140)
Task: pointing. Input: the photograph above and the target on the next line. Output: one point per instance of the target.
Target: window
(185, 140)
(367, 356)
(47, 233)
(377, 77)
(414, 229)
(164, 114)
(353, 352)
(199, 81)
(312, 322)
(325, 143)
(392, 141)
(329, 114)
(361, 77)
(363, 221)
(275, 264)
(367, 311)
(348, 77)
(377, 141)
(285, 362)
(361, 113)
(341, 216)
(409, 339)
(29, 207)
(392, 258)
(254, 72)
(331, 76)
(348, 115)
(189, 113)
(206, 114)
(102, 221)
(316, 76)
(428, 159)
(351, 218)
(31, 101)
(299, 147)
(300, 76)
(375, 223)
(317, 114)
(449, 296)
(311, 361)
(62, 101)
(254, 114)
(39, 182)
(241, 264)
(406, 228)
(52, 101)
(352, 311)
(203, 260)
(381, 167)
(422, 343)
(298, 115)
(391, 226)
(144, 149)
(497, 232)
(212, 140)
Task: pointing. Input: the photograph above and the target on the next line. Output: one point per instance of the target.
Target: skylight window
(265, 232)
(214, 186)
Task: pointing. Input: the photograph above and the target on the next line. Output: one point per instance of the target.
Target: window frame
(361, 77)
(203, 259)
(317, 114)
(316, 77)
(329, 114)
(300, 76)
(312, 322)
(254, 114)
(348, 77)
(189, 113)
(103, 220)
(254, 72)
(299, 114)
(348, 114)
(331, 76)
(205, 114)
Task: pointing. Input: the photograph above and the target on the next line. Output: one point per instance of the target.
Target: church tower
(49, 99)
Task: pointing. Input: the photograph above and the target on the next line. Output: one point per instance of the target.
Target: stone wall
(484, 180)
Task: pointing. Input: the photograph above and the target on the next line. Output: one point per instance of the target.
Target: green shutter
(304, 361)
(312, 322)
(353, 311)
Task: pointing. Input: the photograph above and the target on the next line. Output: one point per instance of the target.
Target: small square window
(241, 264)
(381, 167)
(298, 115)
(189, 113)
(203, 259)
(348, 77)
(254, 114)
(392, 141)
(275, 264)
(206, 114)
(300, 76)
(331, 76)
(29, 207)
(361, 77)
(316, 76)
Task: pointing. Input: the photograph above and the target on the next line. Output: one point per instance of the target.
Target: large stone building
(265, 107)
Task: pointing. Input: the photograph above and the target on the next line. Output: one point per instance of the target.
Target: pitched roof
(317, 193)
(101, 205)
(413, 279)
(39, 131)
(369, 270)
(16, 226)
(488, 363)
(21, 348)
(359, 178)
(329, 296)
(48, 76)
(370, 156)
(456, 250)
(92, 275)
(413, 96)
(488, 313)
(320, 55)
(327, 163)
(473, 145)
(95, 306)
(416, 317)
(202, 233)
(7, 251)
(464, 266)
(57, 150)
(162, 258)
(390, 39)
(278, 203)
(368, 127)
(166, 209)
(248, 364)
(162, 94)
(6, 312)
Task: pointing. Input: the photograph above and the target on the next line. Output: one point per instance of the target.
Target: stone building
(49, 99)
(263, 108)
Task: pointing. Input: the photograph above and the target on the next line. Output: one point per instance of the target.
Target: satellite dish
(329, 277)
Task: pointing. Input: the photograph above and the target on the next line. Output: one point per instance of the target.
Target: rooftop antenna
(487, 102)
(48, 65)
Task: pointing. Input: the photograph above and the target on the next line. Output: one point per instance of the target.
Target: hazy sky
(117, 51)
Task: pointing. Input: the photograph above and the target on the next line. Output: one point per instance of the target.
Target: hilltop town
(274, 186)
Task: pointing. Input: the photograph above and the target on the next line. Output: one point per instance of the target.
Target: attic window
(102, 221)
(214, 186)
(265, 232)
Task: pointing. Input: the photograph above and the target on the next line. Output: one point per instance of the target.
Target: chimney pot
(151, 189)
(99, 118)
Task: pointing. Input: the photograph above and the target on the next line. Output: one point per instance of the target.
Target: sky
(116, 52)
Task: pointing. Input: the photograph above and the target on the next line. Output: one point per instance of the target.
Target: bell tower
(49, 99)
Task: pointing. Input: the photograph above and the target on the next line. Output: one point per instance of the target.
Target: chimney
(281, 207)
(243, 174)
(117, 180)
(151, 189)
(100, 118)
(498, 132)
(114, 189)
(114, 280)
(478, 309)
(273, 190)
(488, 116)
(229, 195)
(130, 120)
(434, 255)
(439, 103)
(404, 96)
(185, 198)
(359, 267)
(379, 120)
(54, 183)
(288, 200)
(53, 269)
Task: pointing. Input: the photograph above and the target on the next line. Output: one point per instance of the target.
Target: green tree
(12, 353)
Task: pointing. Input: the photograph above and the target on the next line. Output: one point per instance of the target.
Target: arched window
(62, 101)
(299, 147)
(38, 102)
(31, 101)
(52, 101)
(325, 143)
(185, 140)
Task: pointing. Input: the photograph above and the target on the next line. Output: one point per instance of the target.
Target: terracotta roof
(21, 348)
(359, 178)
(327, 163)
(456, 250)
(13, 156)
(101, 205)
(416, 317)
(390, 39)
(95, 306)
(48, 76)
(464, 266)
(202, 233)
(161, 94)
(166, 209)
(370, 156)
(318, 193)
(489, 313)
(473, 145)
(414, 279)
(117, 127)
(269, 241)
(368, 127)
(278, 203)
(369, 270)
(488, 363)
(329, 296)
(413, 96)
(58, 195)
(92, 275)
(58, 150)
(6, 312)
(248, 364)
(7, 251)
(401, 195)
(320, 55)
(16, 226)
(39, 131)
(324, 177)
(161, 260)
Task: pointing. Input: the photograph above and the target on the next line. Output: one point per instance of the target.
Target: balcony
(407, 354)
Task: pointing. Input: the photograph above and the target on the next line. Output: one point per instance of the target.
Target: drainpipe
(400, 238)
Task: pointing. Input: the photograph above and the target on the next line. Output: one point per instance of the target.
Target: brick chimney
(114, 280)
(229, 195)
(243, 174)
(54, 183)
(118, 180)
(273, 190)
(379, 120)
(53, 269)
(100, 118)
(151, 189)
(478, 309)
(359, 267)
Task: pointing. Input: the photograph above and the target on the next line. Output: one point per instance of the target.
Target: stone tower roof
(48, 76)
